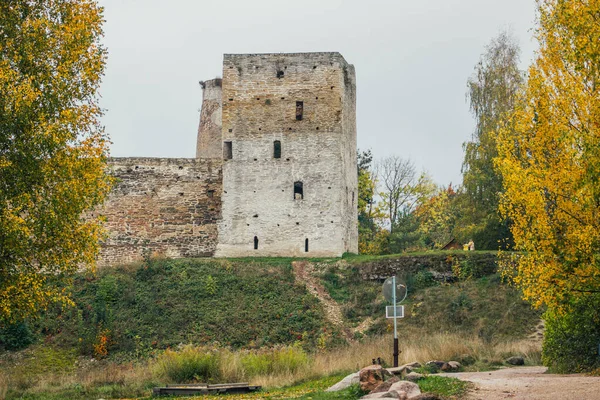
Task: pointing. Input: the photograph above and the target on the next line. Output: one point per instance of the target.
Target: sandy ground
(529, 383)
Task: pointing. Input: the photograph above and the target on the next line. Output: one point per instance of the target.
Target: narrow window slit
(227, 150)
(299, 110)
(255, 242)
(298, 191)
(277, 149)
(306, 245)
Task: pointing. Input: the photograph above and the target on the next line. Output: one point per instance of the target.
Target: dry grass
(130, 380)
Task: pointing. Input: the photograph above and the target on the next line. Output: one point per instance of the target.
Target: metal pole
(395, 322)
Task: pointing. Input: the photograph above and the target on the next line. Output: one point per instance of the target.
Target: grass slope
(167, 302)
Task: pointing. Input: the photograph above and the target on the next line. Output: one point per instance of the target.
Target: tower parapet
(208, 144)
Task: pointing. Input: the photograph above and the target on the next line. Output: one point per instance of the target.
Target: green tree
(369, 211)
(52, 148)
(549, 157)
(402, 188)
(492, 92)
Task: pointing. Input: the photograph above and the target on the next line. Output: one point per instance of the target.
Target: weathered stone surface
(400, 371)
(439, 264)
(260, 101)
(451, 366)
(161, 206)
(411, 388)
(426, 396)
(386, 395)
(413, 376)
(372, 376)
(248, 205)
(348, 381)
(435, 364)
(516, 360)
(209, 144)
(385, 386)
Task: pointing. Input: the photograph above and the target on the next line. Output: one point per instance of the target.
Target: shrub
(571, 341)
(190, 364)
(16, 336)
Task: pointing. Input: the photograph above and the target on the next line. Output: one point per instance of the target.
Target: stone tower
(209, 130)
(289, 150)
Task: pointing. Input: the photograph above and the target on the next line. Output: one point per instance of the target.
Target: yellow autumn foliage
(52, 148)
(550, 160)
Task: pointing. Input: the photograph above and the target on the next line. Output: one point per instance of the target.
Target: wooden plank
(195, 389)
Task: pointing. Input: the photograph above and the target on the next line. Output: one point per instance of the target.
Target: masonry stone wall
(262, 216)
(239, 197)
(161, 206)
(209, 130)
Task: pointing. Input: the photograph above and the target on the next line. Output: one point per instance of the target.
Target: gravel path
(529, 383)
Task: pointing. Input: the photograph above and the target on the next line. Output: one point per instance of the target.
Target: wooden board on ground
(202, 388)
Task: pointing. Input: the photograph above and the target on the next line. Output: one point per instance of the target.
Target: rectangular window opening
(298, 191)
(306, 245)
(227, 150)
(255, 242)
(277, 149)
(299, 110)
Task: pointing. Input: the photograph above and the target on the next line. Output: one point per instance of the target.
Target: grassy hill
(242, 311)
(133, 311)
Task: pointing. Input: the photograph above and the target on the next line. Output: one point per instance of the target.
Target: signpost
(392, 291)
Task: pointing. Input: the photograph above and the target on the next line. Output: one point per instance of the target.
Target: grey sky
(412, 61)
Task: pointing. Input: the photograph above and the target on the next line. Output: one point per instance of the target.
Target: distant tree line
(531, 180)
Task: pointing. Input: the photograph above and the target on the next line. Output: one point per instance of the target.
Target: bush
(190, 364)
(16, 336)
(571, 340)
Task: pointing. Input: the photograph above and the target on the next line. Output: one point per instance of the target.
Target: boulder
(399, 371)
(435, 365)
(413, 365)
(413, 377)
(385, 395)
(450, 366)
(385, 386)
(411, 388)
(372, 376)
(427, 396)
(515, 361)
(348, 381)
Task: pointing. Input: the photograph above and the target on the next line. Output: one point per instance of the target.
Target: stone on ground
(385, 386)
(426, 396)
(413, 376)
(348, 381)
(515, 361)
(372, 376)
(411, 388)
(451, 366)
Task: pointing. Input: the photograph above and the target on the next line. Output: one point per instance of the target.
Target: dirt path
(529, 383)
(303, 271)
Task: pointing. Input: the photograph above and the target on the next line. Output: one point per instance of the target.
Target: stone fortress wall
(161, 206)
(298, 102)
(275, 173)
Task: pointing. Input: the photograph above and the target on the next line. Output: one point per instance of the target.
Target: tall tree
(551, 162)
(402, 187)
(369, 209)
(52, 148)
(492, 91)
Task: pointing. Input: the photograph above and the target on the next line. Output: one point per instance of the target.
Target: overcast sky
(412, 62)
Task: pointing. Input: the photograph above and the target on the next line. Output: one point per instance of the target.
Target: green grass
(484, 306)
(443, 386)
(163, 303)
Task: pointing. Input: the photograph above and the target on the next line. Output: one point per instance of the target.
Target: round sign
(388, 291)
